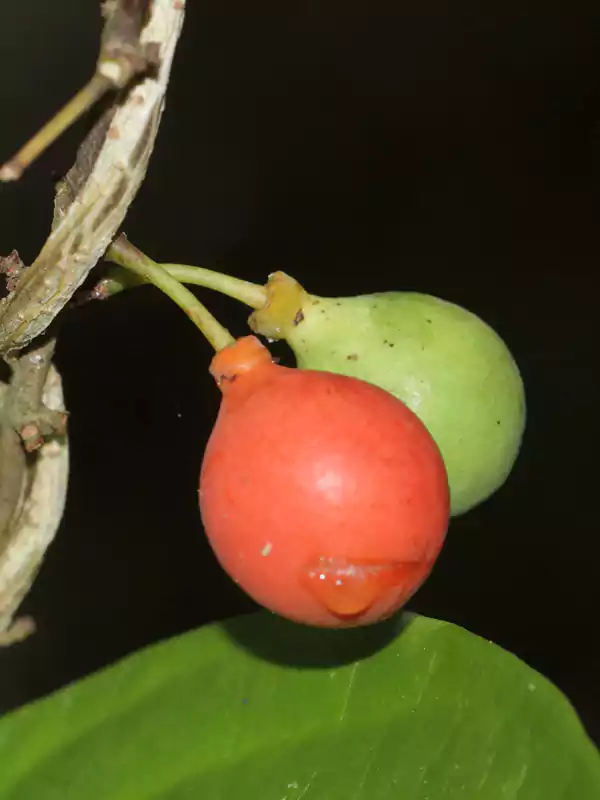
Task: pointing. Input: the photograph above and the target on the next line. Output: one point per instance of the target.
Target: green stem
(251, 294)
(126, 255)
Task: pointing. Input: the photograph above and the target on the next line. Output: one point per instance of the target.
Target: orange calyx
(349, 588)
(241, 357)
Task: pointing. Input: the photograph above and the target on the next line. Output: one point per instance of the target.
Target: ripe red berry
(323, 496)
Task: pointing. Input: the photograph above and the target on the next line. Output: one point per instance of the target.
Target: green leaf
(260, 709)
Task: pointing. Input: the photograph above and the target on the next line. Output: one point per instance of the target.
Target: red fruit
(323, 496)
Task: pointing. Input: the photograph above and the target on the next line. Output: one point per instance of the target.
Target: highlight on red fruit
(323, 496)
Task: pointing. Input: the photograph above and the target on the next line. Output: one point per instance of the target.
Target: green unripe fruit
(442, 361)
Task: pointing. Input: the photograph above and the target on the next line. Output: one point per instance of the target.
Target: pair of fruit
(326, 491)
(324, 496)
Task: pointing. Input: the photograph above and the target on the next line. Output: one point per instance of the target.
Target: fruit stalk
(251, 294)
(126, 255)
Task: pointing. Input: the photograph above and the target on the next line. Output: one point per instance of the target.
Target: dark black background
(452, 148)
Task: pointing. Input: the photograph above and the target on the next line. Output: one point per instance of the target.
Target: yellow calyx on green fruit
(284, 309)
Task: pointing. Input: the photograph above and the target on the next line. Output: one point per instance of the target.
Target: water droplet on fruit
(349, 588)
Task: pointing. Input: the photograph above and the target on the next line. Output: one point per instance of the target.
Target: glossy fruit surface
(444, 362)
(323, 496)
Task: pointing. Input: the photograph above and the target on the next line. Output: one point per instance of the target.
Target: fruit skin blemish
(342, 480)
(349, 589)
